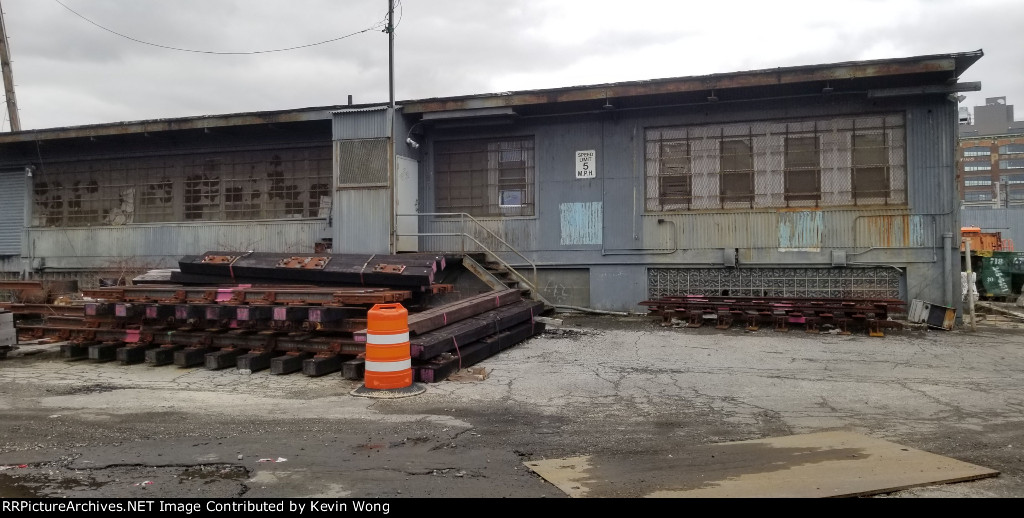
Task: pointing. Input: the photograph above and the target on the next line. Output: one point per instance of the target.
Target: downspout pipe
(947, 245)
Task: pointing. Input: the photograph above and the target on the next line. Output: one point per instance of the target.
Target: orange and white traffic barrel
(388, 357)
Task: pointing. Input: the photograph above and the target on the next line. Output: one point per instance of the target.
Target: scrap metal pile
(285, 313)
(781, 313)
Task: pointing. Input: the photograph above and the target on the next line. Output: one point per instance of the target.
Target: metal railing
(465, 218)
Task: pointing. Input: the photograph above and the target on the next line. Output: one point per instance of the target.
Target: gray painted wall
(161, 246)
(629, 237)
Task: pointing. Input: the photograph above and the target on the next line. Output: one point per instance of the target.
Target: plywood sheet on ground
(825, 464)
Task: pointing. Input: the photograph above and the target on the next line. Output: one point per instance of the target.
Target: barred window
(673, 183)
(237, 185)
(870, 166)
(485, 177)
(737, 170)
(803, 168)
(789, 163)
(977, 151)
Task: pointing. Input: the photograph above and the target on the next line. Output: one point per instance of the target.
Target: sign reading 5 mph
(586, 164)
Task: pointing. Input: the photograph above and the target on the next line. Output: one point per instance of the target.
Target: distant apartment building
(991, 156)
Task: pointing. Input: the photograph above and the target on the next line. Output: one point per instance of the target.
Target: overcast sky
(70, 72)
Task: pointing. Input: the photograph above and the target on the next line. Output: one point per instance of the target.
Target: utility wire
(375, 26)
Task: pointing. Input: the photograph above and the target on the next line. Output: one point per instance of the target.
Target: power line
(375, 26)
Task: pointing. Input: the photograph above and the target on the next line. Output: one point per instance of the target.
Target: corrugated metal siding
(361, 124)
(843, 229)
(12, 211)
(895, 231)
(714, 230)
(931, 161)
(520, 233)
(1009, 222)
(362, 221)
(102, 246)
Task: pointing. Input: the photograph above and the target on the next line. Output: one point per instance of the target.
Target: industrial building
(829, 181)
(991, 163)
(991, 156)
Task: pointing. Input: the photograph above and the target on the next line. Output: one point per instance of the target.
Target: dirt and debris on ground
(605, 384)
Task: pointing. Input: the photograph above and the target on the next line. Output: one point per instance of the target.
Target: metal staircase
(486, 262)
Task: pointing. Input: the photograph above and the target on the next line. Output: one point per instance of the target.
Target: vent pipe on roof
(350, 99)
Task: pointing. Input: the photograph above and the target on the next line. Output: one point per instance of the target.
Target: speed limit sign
(586, 164)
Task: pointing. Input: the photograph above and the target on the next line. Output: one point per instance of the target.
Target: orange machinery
(984, 241)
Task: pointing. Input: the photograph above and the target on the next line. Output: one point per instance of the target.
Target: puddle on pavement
(211, 474)
(36, 486)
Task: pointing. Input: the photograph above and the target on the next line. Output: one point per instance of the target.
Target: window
(974, 181)
(977, 166)
(1011, 164)
(803, 173)
(977, 151)
(1012, 179)
(485, 177)
(232, 185)
(670, 175)
(1011, 148)
(978, 196)
(737, 170)
(870, 166)
(1016, 195)
(831, 162)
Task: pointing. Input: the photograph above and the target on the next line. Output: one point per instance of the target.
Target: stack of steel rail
(815, 314)
(313, 328)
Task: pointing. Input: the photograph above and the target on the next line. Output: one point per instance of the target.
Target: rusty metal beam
(42, 309)
(254, 295)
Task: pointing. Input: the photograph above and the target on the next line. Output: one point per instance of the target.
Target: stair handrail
(463, 234)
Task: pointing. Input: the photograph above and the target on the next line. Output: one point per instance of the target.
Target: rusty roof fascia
(188, 123)
(687, 84)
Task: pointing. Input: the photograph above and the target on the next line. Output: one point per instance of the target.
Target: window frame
(791, 170)
(495, 167)
(774, 184)
(977, 151)
(740, 171)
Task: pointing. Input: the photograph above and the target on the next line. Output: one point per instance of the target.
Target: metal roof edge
(375, 108)
(171, 124)
(956, 63)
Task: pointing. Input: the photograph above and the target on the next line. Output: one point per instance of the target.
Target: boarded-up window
(803, 168)
(737, 171)
(870, 166)
(485, 177)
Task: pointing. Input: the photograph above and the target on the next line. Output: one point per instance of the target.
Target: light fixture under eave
(712, 98)
(607, 104)
(828, 89)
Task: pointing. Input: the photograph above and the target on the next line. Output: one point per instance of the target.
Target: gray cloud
(69, 72)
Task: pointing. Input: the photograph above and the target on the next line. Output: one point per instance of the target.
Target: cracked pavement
(595, 384)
